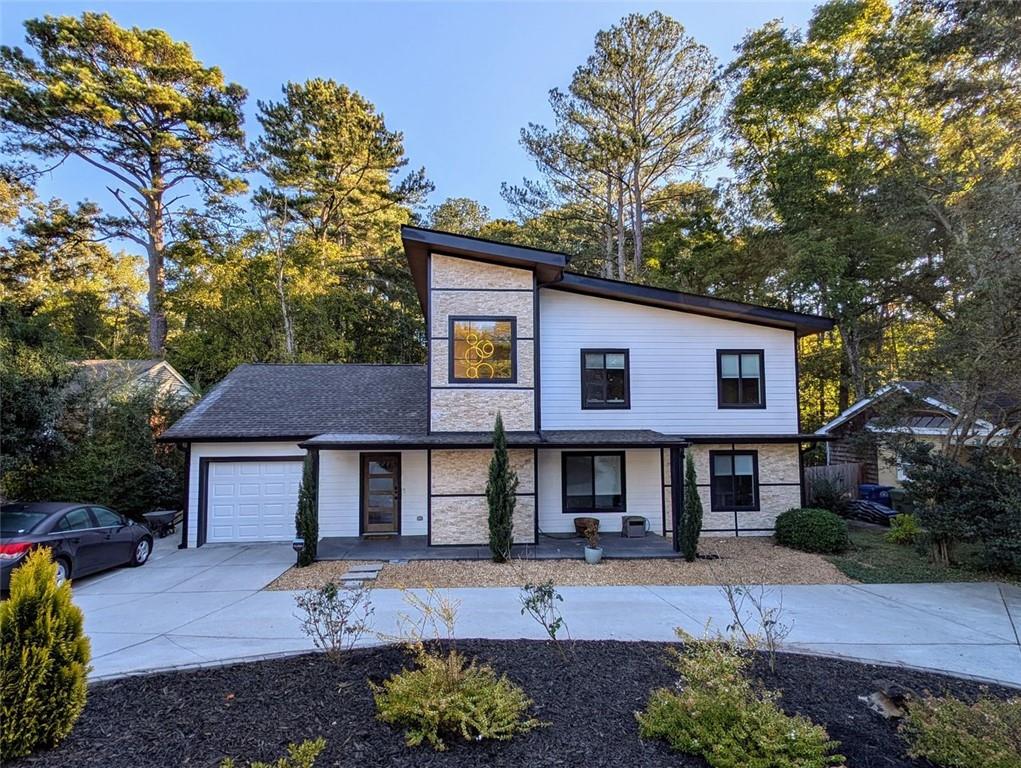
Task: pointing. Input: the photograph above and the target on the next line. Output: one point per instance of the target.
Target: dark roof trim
(236, 439)
(477, 247)
(797, 438)
(800, 322)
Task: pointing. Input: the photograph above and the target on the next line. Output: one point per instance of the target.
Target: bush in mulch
(253, 711)
(952, 733)
(812, 530)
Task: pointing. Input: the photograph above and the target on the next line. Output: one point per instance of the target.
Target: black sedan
(84, 538)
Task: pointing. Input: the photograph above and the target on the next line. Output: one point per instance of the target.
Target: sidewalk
(217, 616)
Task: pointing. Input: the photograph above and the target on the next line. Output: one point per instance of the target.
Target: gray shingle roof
(558, 438)
(300, 401)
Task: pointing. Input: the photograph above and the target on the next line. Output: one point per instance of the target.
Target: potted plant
(581, 524)
(593, 552)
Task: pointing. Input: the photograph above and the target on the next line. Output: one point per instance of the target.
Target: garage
(250, 499)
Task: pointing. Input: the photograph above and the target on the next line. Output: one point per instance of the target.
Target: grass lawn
(873, 560)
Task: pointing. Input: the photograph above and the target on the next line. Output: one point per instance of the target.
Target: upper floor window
(482, 349)
(734, 477)
(605, 380)
(742, 379)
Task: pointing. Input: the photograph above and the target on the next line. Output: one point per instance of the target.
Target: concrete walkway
(207, 606)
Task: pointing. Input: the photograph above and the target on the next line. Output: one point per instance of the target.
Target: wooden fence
(846, 476)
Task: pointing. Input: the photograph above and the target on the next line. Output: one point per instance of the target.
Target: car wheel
(142, 551)
(63, 570)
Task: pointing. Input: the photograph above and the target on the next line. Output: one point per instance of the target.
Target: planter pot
(593, 556)
(581, 523)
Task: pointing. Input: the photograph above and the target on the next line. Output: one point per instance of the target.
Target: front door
(381, 492)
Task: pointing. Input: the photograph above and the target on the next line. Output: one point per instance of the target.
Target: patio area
(557, 547)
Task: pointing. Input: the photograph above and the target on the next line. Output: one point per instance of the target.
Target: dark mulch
(252, 711)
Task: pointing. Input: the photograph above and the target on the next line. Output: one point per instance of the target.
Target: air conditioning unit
(633, 526)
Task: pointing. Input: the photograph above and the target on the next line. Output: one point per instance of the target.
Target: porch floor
(548, 548)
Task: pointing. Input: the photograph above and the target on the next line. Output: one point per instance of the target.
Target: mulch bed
(252, 711)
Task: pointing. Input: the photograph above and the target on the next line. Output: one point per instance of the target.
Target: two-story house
(603, 387)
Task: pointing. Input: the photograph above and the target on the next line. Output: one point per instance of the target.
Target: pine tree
(691, 518)
(306, 519)
(500, 494)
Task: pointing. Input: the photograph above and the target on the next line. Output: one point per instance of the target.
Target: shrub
(812, 530)
(691, 520)
(44, 658)
(718, 715)
(306, 519)
(448, 696)
(953, 734)
(830, 495)
(298, 756)
(540, 602)
(904, 530)
(500, 496)
(335, 617)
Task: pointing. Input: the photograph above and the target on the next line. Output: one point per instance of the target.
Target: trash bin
(900, 500)
(874, 492)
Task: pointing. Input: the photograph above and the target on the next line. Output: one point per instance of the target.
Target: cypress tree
(306, 519)
(691, 518)
(500, 495)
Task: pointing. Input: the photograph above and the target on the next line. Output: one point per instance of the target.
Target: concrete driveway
(203, 606)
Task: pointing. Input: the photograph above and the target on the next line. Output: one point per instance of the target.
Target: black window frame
(453, 319)
(626, 405)
(755, 482)
(564, 455)
(719, 378)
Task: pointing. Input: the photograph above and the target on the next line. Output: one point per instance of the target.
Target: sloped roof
(300, 401)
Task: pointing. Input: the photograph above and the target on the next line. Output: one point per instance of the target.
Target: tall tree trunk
(155, 252)
(852, 374)
(285, 313)
(621, 232)
(608, 227)
(638, 216)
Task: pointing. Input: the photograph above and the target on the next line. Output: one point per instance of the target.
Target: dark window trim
(712, 481)
(626, 405)
(451, 378)
(563, 483)
(719, 378)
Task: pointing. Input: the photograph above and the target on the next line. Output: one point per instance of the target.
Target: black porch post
(676, 492)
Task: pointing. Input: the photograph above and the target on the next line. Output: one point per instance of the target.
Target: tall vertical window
(742, 378)
(604, 378)
(482, 349)
(593, 482)
(734, 476)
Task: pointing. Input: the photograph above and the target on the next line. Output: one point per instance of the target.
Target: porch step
(362, 572)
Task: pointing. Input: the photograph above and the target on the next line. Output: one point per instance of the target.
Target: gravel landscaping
(740, 560)
(252, 711)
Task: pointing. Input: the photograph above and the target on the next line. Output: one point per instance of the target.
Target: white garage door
(252, 500)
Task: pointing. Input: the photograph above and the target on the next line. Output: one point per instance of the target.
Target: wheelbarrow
(162, 522)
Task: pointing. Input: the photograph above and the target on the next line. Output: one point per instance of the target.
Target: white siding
(225, 450)
(643, 493)
(673, 367)
(339, 489)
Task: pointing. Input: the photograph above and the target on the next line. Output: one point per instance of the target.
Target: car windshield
(14, 523)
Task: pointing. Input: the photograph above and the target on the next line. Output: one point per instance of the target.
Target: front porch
(549, 548)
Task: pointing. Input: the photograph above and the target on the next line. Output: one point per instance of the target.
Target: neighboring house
(603, 387)
(111, 375)
(863, 433)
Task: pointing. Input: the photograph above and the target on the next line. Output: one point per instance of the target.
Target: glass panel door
(381, 483)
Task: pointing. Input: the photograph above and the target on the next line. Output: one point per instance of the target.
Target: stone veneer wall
(463, 287)
(459, 514)
(779, 488)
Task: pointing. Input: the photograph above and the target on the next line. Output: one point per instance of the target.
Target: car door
(76, 537)
(114, 547)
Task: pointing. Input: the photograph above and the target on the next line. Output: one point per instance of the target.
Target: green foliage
(977, 499)
(904, 530)
(459, 214)
(44, 659)
(952, 734)
(306, 519)
(717, 714)
(830, 495)
(691, 517)
(298, 756)
(500, 495)
(812, 530)
(136, 104)
(540, 602)
(449, 697)
(335, 617)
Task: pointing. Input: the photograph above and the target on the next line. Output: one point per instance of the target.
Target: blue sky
(459, 79)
